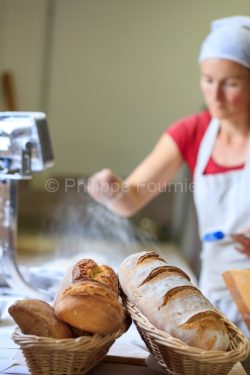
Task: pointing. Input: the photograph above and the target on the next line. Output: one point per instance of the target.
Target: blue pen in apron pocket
(219, 236)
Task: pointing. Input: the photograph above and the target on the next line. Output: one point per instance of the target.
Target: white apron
(222, 203)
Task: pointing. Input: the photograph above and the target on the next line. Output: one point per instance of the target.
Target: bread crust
(88, 270)
(89, 302)
(163, 271)
(170, 301)
(91, 313)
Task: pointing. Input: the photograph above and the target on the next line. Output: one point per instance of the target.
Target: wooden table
(125, 356)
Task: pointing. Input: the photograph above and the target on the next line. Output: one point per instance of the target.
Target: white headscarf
(228, 39)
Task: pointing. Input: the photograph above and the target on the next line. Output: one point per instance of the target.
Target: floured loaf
(165, 295)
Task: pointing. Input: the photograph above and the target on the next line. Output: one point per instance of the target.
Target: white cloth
(229, 39)
(222, 203)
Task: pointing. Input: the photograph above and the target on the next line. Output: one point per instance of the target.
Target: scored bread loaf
(36, 317)
(165, 295)
(89, 300)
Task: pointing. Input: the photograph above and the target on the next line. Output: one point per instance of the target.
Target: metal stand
(8, 241)
(24, 148)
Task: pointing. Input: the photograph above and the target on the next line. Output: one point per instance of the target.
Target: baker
(215, 145)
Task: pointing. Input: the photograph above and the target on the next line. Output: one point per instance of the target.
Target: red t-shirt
(187, 134)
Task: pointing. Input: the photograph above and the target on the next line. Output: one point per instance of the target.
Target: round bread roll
(35, 317)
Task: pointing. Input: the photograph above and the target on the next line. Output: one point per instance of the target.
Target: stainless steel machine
(25, 148)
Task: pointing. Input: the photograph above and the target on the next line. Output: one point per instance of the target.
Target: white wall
(22, 48)
(1, 39)
(120, 71)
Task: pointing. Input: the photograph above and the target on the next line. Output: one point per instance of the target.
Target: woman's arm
(126, 197)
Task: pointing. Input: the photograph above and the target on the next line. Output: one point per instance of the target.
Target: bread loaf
(165, 295)
(90, 300)
(35, 317)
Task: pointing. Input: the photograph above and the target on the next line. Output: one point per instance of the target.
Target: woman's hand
(104, 186)
(243, 239)
(112, 192)
(126, 197)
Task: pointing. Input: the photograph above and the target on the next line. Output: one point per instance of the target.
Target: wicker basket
(48, 356)
(178, 358)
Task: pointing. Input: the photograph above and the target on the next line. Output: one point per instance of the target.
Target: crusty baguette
(165, 295)
(89, 301)
(35, 317)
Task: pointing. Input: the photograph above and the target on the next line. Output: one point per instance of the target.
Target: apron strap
(206, 146)
(205, 152)
(247, 164)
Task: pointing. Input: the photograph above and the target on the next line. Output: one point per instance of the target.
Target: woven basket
(178, 358)
(48, 356)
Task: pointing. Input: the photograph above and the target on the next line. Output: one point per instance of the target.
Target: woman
(215, 144)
